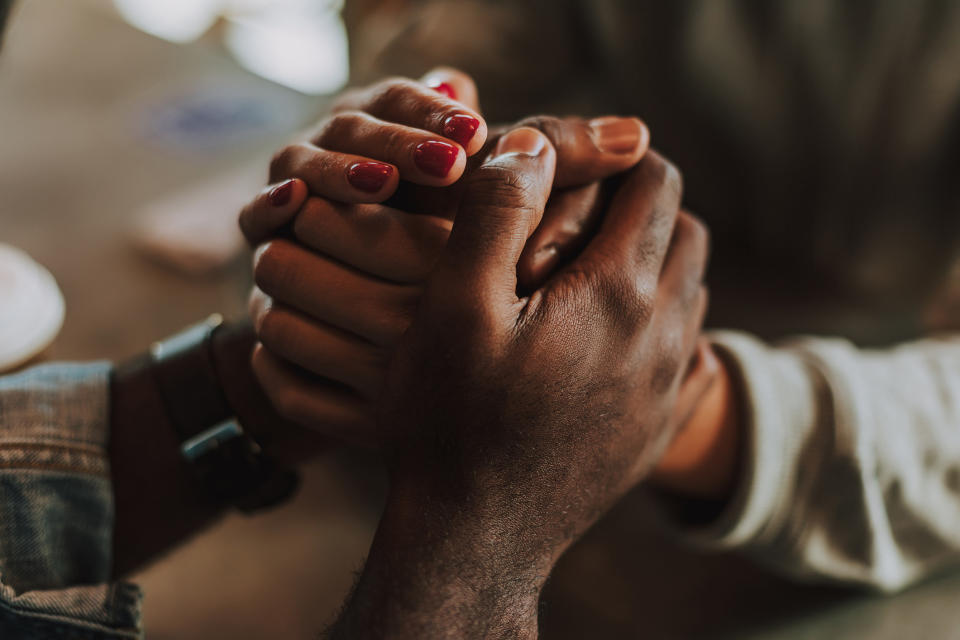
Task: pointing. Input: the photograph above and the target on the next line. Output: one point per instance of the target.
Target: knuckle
(272, 267)
(261, 369)
(554, 128)
(644, 297)
(273, 329)
(289, 404)
(690, 233)
(346, 100)
(312, 220)
(673, 180)
(245, 220)
(543, 123)
(504, 185)
(461, 308)
(665, 370)
(283, 161)
(257, 304)
(390, 94)
(319, 165)
(395, 314)
(699, 231)
(625, 303)
(687, 296)
(662, 173)
(701, 303)
(701, 241)
(395, 142)
(286, 400)
(562, 298)
(338, 127)
(693, 237)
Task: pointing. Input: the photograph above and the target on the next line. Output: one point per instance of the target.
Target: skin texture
(319, 365)
(429, 545)
(703, 460)
(332, 301)
(323, 357)
(512, 423)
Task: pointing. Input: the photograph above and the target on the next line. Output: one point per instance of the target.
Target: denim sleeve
(56, 508)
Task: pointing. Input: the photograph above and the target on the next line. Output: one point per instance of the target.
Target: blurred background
(120, 151)
(132, 131)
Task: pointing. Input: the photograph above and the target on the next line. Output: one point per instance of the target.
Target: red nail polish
(369, 176)
(435, 158)
(444, 88)
(461, 128)
(280, 195)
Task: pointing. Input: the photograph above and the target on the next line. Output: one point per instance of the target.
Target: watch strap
(227, 460)
(188, 381)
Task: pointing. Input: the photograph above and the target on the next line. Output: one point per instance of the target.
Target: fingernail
(616, 135)
(435, 158)
(524, 140)
(280, 195)
(444, 88)
(461, 128)
(369, 176)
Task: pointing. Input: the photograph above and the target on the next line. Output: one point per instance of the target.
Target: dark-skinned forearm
(438, 572)
(159, 501)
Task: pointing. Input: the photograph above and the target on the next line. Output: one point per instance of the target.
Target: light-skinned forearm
(703, 460)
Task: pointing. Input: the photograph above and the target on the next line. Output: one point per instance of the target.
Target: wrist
(157, 501)
(219, 450)
(703, 459)
(493, 541)
(440, 570)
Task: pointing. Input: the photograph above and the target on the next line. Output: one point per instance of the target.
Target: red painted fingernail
(369, 176)
(280, 195)
(435, 158)
(444, 88)
(461, 128)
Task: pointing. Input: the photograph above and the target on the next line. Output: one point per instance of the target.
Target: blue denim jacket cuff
(56, 506)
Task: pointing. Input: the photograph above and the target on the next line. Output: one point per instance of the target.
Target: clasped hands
(513, 316)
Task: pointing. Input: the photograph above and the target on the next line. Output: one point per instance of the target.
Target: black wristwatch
(228, 461)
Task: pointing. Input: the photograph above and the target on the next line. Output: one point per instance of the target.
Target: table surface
(75, 83)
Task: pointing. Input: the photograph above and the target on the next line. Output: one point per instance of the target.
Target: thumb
(502, 203)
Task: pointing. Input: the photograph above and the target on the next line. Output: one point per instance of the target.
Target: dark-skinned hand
(332, 300)
(511, 423)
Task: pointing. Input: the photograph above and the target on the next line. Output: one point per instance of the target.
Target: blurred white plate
(31, 308)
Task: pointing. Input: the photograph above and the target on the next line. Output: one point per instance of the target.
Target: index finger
(416, 105)
(272, 209)
(639, 223)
